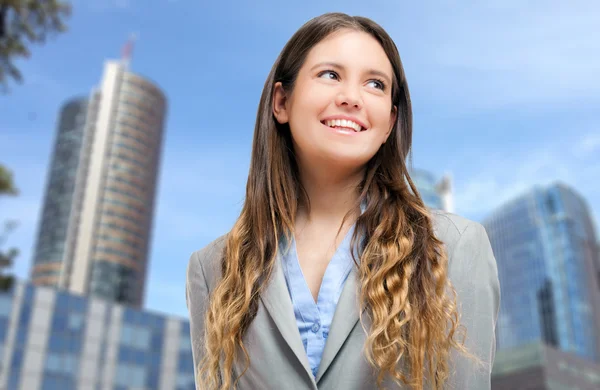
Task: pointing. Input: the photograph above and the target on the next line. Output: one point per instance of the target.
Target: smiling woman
(336, 275)
(344, 84)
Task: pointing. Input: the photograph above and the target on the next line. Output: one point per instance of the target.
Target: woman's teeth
(344, 123)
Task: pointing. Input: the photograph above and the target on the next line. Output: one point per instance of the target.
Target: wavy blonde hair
(404, 288)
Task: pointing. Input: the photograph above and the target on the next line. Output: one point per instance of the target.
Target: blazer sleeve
(474, 274)
(197, 302)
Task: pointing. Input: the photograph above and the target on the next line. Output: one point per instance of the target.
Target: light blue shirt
(314, 319)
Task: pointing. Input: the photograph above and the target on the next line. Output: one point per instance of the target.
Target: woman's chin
(335, 161)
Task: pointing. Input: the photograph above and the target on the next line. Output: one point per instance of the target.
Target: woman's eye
(328, 74)
(377, 84)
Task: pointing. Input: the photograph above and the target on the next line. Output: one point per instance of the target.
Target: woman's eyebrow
(373, 72)
(328, 63)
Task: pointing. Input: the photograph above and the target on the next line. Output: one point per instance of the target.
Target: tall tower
(435, 194)
(110, 219)
(53, 235)
(544, 243)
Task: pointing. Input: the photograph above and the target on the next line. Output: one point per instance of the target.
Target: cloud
(589, 145)
(200, 194)
(28, 96)
(479, 55)
(108, 5)
(500, 180)
(514, 53)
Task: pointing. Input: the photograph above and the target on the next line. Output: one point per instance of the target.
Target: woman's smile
(345, 125)
(344, 130)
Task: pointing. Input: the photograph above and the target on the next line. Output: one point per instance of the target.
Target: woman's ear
(393, 117)
(280, 103)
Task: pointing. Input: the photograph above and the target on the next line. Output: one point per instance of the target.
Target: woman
(335, 275)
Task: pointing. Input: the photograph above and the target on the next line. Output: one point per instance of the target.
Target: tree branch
(3, 15)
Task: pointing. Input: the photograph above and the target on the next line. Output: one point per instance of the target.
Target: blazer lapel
(344, 319)
(277, 301)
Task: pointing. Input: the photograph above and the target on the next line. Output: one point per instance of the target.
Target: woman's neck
(331, 196)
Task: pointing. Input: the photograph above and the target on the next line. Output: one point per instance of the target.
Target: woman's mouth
(344, 125)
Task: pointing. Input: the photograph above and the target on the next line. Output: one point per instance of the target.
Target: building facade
(53, 340)
(539, 367)
(112, 191)
(436, 194)
(543, 243)
(57, 212)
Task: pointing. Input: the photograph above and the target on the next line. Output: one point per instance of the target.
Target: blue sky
(505, 96)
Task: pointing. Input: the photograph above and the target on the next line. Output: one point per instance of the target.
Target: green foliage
(7, 185)
(7, 257)
(26, 22)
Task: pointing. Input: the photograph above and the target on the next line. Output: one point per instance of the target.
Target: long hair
(402, 266)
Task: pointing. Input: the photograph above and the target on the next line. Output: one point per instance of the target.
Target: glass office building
(58, 209)
(544, 242)
(53, 340)
(435, 194)
(96, 224)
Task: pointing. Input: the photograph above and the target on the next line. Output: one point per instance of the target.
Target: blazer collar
(277, 301)
(345, 318)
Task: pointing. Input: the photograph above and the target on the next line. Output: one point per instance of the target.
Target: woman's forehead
(350, 50)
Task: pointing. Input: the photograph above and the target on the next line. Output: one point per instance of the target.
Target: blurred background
(125, 137)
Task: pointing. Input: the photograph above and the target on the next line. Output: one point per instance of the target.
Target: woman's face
(340, 110)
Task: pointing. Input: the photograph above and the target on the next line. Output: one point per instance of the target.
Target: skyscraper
(544, 245)
(435, 194)
(57, 211)
(107, 206)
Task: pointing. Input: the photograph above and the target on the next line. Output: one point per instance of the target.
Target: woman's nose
(349, 98)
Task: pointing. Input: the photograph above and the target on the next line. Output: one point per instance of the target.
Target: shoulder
(454, 230)
(473, 272)
(470, 256)
(205, 263)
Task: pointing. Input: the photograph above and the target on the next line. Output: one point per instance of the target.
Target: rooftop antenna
(128, 50)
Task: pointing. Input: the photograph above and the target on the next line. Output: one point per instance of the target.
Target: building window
(130, 376)
(185, 344)
(185, 381)
(75, 321)
(135, 337)
(5, 306)
(61, 363)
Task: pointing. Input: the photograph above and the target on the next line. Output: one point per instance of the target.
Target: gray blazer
(277, 356)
